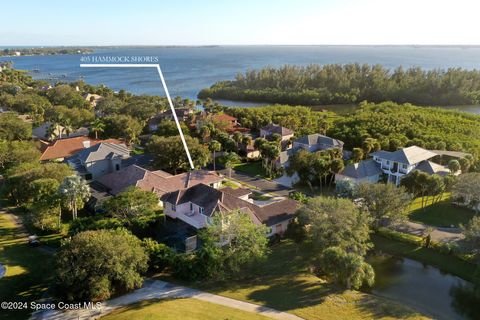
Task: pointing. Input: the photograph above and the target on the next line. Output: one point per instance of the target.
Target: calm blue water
(189, 69)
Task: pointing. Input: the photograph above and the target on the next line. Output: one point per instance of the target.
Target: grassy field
(284, 282)
(28, 269)
(440, 214)
(251, 168)
(447, 263)
(185, 309)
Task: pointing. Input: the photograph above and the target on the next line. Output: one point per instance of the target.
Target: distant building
(98, 160)
(394, 165)
(271, 129)
(45, 132)
(92, 98)
(63, 148)
(182, 114)
(226, 122)
(311, 143)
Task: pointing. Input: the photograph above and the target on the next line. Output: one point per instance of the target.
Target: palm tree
(97, 126)
(230, 159)
(75, 191)
(237, 137)
(336, 166)
(54, 131)
(214, 146)
(68, 128)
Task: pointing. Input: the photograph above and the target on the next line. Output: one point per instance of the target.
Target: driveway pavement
(154, 289)
(438, 234)
(264, 185)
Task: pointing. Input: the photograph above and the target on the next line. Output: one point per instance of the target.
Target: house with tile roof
(394, 165)
(311, 143)
(227, 122)
(198, 204)
(60, 149)
(271, 129)
(159, 182)
(98, 160)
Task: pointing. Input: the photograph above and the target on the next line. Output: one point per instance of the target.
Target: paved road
(438, 234)
(161, 290)
(259, 183)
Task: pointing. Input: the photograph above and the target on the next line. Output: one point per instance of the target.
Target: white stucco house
(394, 165)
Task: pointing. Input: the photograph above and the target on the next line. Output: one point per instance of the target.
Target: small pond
(423, 287)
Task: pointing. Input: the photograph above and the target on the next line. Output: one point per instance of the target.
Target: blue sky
(203, 22)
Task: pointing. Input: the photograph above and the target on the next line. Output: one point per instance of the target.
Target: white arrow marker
(157, 66)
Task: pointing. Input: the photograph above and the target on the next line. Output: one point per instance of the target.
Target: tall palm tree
(74, 191)
(214, 146)
(97, 126)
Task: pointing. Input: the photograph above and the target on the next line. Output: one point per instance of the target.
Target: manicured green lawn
(185, 309)
(440, 214)
(447, 263)
(28, 269)
(285, 282)
(251, 168)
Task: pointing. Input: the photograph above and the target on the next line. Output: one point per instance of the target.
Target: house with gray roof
(198, 204)
(363, 171)
(271, 128)
(312, 143)
(316, 142)
(395, 165)
(98, 160)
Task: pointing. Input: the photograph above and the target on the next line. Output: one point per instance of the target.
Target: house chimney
(86, 144)
(187, 182)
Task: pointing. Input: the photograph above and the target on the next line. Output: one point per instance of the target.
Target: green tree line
(350, 83)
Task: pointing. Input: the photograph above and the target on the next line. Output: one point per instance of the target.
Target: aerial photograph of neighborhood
(240, 160)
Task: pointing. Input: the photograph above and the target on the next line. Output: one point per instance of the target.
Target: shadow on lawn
(27, 270)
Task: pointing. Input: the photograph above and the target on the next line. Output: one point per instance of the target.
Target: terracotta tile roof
(159, 181)
(224, 117)
(63, 148)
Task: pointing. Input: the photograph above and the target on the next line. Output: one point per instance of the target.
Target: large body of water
(187, 70)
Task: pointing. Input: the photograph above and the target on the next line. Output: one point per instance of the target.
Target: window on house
(191, 206)
(117, 167)
(202, 210)
(174, 208)
(88, 176)
(404, 166)
(388, 162)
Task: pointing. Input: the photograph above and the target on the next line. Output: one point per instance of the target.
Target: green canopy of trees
(336, 222)
(395, 126)
(94, 265)
(169, 153)
(350, 83)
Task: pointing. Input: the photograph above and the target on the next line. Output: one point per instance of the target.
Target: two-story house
(98, 160)
(395, 165)
(198, 204)
(399, 163)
